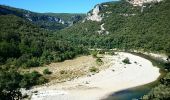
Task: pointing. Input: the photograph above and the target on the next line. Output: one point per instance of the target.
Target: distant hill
(24, 44)
(47, 21)
(68, 17)
(125, 26)
(29, 39)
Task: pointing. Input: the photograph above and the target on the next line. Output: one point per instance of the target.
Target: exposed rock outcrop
(141, 2)
(95, 15)
(102, 30)
(50, 21)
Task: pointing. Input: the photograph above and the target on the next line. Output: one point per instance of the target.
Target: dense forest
(129, 28)
(24, 44)
(137, 28)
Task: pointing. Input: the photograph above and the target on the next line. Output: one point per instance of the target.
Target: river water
(132, 93)
(137, 92)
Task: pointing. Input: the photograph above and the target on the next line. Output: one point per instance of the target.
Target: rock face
(141, 2)
(95, 16)
(44, 20)
(34, 18)
(31, 16)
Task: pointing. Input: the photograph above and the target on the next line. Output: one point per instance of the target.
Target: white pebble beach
(116, 77)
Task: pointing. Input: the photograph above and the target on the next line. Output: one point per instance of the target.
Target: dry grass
(70, 69)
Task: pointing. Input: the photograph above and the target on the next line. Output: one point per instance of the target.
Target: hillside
(27, 45)
(48, 21)
(29, 39)
(125, 26)
(122, 26)
(24, 45)
(68, 17)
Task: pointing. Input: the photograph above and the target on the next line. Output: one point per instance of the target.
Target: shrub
(166, 80)
(41, 80)
(94, 69)
(46, 71)
(32, 63)
(99, 61)
(111, 53)
(63, 72)
(31, 79)
(94, 54)
(126, 61)
(9, 84)
(167, 64)
(102, 52)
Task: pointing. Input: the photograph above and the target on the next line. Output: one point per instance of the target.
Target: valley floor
(116, 76)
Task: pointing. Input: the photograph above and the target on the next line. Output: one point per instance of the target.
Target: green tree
(9, 85)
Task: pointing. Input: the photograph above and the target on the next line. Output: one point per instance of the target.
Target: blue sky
(56, 6)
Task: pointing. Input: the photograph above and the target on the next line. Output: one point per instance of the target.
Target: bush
(32, 63)
(166, 80)
(167, 66)
(94, 54)
(31, 79)
(46, 71)
(63, 72)
(23, 60)
(9, 84)
(94, 69)
(111, 53)
(126, 61)
(102, 52)
(99, 61)
(41, 80)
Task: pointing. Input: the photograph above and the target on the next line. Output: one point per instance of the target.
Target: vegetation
(94, 69)
(68, 17)
(102, 51)
(24, 44)
(94, 54)
(161, 92)
(31, 79)
(9, 84)
(63, 72)
(128, 27)
(99, 61)
(126, 61)
(111, 53)
(11, 81)
(50, 21)
(47, 72)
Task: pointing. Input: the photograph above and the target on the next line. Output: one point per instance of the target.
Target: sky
(55, 6)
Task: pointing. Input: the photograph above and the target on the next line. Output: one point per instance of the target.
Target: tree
(31, 79)
(9, 85)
